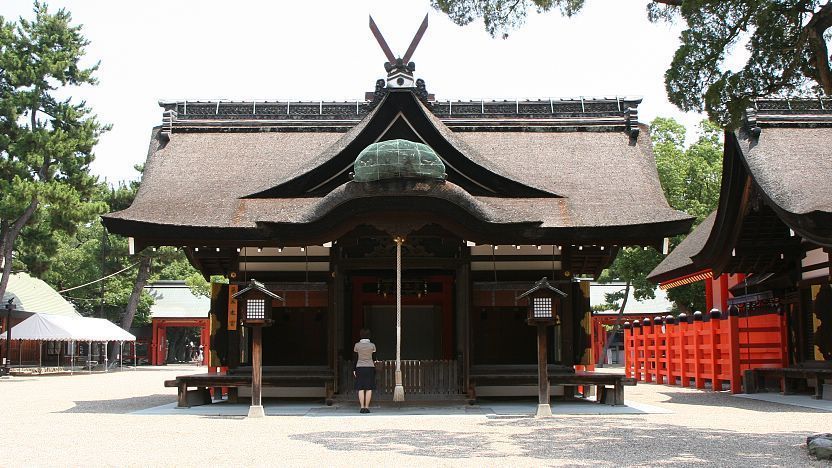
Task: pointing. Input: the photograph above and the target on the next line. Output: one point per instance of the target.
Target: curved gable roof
(463, 165)
(550, 164)
(783, 155)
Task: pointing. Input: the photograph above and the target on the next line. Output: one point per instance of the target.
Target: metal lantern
(544, 303)
(255, 302)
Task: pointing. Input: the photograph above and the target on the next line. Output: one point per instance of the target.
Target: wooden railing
(419, 377)
(675, 352)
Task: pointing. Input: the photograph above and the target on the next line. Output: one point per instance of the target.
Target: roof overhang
(687, 279)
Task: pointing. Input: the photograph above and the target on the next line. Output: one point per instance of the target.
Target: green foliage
(89, 252)
(787, 53)
(200, 287)
(690, 178)
(86, 255)
(788, 44)
(46, 143)
(501, 16)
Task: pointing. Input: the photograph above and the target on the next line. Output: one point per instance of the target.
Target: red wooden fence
(677, 352)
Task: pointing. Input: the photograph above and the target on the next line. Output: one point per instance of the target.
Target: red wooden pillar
(649, 350)
(205, 341)
(698, 381)
(628, 349)
(709, 294)
(658, 350)
(158, 344)
(670, 349)
(784, 338)
(733, 346)
(716, 384)
(638, 345)
(684, 353)
(661, 350)
(638, 348)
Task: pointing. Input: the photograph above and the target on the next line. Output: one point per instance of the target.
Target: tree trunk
(133, 304)
(10, 234)
(682, 307)
(615, 327)
(816, 28)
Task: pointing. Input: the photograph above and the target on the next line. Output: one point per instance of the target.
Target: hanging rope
(398, 304)
(99, 279)
(398, 391)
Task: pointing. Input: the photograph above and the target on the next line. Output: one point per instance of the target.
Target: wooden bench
(286, 378)
(754, 379)
(512, 375)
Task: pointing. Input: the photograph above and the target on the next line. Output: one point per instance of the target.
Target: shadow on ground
(120, 405)
(606, 441)
(724, 399)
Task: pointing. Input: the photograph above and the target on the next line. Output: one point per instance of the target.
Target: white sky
(323, 50)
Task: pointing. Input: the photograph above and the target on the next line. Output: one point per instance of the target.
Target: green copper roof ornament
(397, 159)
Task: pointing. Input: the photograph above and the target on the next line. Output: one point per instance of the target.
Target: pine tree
(46, 143)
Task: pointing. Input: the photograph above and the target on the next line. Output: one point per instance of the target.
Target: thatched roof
(559, 170)
(680, 262)
(785, 150)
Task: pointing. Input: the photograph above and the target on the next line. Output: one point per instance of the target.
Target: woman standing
(365, 370)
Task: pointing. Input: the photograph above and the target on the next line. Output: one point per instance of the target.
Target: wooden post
(670, 350)
(543, 408)
(716, 315)
(256, 408)
(628, 349)
(638, 340)
(734, 352)
(698, 381)
(684, 362)
(649, 351)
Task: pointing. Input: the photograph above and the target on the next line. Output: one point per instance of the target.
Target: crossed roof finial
(402, 67)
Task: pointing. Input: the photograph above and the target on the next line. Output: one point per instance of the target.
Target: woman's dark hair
(365, 334)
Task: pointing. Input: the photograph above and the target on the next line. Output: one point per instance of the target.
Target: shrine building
(479, 199)
(766, 249)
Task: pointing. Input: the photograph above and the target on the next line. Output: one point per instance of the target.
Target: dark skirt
(365, 378)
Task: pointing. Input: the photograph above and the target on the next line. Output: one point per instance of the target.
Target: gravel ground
(85, 420)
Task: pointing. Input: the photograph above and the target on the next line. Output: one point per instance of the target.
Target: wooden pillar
(714, 323)
(698, 381)
(628, 349)
(684, 370)
(205, 341)
(638, 349)
(647, 330)
(734, 353)
(463, 311)
(256, 408)
(338, 311)
(543, 408)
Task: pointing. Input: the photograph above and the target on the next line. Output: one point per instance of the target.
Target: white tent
(46, 327)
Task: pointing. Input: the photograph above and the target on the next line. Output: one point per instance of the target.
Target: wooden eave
(748, 235)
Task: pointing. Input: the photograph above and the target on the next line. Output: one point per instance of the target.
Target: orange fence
(676, 351)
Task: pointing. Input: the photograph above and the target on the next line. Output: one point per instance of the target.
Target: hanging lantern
(544, 303)
(255, 302)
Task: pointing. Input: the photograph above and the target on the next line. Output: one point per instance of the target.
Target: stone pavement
(102, 420)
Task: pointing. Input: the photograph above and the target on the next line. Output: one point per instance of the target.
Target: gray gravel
(86, 420)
